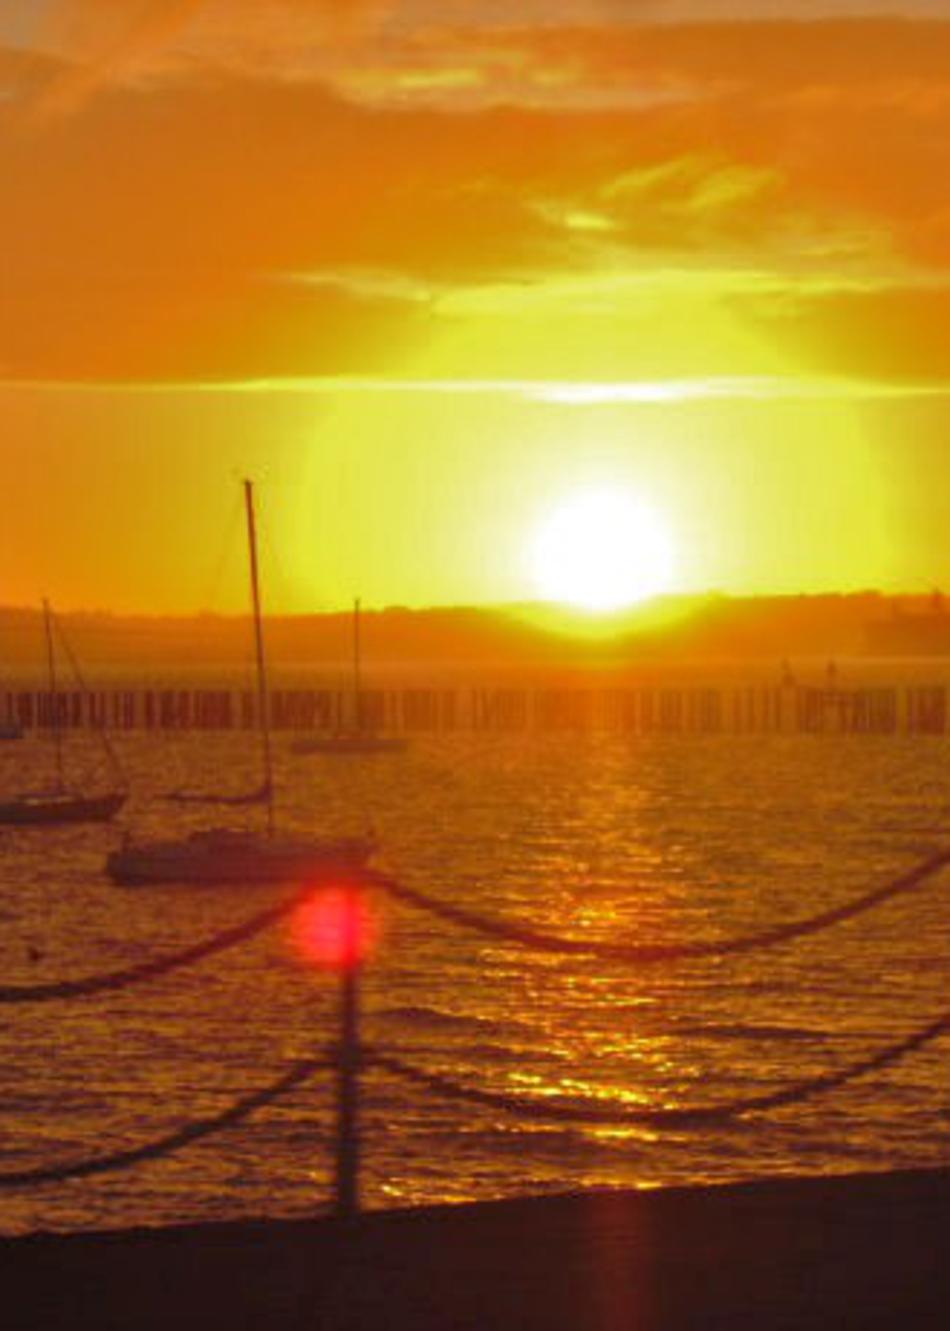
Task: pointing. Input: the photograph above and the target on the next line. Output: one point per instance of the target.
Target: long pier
(756, 709)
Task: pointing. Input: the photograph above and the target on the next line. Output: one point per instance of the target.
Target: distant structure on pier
(910, 633)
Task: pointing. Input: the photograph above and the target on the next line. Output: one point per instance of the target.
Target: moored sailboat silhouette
(10, 728)
(229, 855)
(61, 802)
(358, 738)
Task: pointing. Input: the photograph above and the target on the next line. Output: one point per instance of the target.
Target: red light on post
(335, 928)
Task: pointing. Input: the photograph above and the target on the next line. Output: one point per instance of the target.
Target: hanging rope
(674, 1117)
(111, 981)
(494, 928)
(173, 1141)
(302, 1071)
(648, 953)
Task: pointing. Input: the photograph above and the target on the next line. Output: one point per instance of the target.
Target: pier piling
(635, 710)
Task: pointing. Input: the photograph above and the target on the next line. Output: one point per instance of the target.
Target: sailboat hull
(356, 743)
(27, 810)
(222, 856)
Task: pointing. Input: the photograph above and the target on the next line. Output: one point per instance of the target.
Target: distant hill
(680, 628)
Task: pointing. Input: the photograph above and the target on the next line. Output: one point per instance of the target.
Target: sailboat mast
(357, 695)
(53, 708)
(259, 647)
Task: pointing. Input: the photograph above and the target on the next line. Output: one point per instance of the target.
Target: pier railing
(350, 1059)
(662, 710)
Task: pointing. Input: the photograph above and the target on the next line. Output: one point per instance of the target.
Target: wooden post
(348, 1068)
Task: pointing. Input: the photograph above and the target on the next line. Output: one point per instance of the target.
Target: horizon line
(494, 607)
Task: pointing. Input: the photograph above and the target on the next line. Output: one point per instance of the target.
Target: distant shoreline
(671, 631)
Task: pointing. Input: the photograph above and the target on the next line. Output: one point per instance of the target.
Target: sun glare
(602, 550)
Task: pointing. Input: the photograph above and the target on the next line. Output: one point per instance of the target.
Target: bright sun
(602, 549)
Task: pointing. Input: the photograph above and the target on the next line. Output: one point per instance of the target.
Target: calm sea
(647, 839)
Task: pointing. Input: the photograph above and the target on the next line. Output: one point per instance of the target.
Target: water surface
(646, 839)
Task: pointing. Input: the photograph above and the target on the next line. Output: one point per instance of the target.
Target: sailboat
(229, 855)
(360, 738)
(10, 729)
(259, 795)
(60, 803)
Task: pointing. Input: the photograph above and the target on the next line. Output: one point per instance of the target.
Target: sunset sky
(428, 268)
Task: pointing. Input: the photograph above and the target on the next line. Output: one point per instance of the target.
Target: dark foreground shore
(853, 1253)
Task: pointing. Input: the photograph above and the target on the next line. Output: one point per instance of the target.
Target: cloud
(108, 40)
(581, 393)
(83, 27)
(467, 54)
(105, 39)
(224, 224)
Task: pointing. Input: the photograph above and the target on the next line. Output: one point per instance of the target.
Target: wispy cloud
(104, 40)
(567, 393)
(109, 40)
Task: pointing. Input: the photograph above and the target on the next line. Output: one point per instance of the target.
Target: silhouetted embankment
(679, 628)
(859, 1253)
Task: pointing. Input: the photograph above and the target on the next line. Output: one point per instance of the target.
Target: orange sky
(425, 268)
